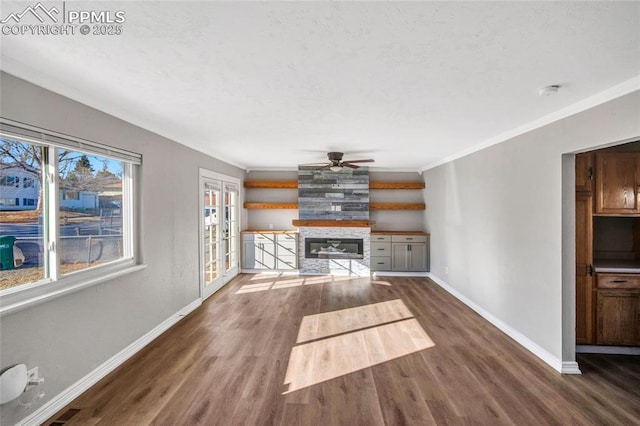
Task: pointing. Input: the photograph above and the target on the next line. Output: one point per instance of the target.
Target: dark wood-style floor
(225, 364)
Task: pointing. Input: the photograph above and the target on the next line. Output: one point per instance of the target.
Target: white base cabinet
(269, 250)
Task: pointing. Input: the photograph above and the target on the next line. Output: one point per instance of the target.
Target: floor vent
(65, 417)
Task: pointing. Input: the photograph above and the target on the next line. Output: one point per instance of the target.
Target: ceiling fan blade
(315, 164)
(353, 166)
(370, 160)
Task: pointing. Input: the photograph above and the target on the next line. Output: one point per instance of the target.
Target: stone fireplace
(334, 260)
(333, 209)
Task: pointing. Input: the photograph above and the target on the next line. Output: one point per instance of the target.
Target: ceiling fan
(336, 164)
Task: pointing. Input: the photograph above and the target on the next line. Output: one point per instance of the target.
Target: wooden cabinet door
(618, 313)
(617, 183)
(584, 277)
(584, 172)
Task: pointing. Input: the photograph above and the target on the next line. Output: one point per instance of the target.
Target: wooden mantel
(333, 223)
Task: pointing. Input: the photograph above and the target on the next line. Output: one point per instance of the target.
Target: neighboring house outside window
(11, 189)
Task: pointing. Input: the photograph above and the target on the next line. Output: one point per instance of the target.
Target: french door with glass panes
(220, 228)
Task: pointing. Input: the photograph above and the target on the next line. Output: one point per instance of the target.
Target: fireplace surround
(333, 248)
(332, 263)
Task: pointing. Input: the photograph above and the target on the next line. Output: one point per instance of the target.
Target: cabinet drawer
(263, 238)
(286, 237)
(380, 249)
(380, 238)
(380, 263)
(621, 281)
(409, 238)
(287, 262)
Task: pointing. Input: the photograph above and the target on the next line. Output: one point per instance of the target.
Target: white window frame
(55, 285)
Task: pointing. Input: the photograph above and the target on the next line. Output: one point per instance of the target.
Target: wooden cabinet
(618, 313)
(269, 251)
(618, 309)
(617, 177)
(584, 172)
(584, 269)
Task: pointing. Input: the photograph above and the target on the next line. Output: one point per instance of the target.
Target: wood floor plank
(364, 362)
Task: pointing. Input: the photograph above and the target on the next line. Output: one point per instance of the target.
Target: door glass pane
(211, 232)
(231, 226)
(21, 212)
(91, 226)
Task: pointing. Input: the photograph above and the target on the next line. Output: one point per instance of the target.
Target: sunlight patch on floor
(264, 282)
(326, 324)
(344, 341)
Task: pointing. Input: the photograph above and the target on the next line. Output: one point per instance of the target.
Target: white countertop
(613, 265)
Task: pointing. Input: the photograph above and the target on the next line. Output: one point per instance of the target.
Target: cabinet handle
(380, 263)
(619, 281)
(409, 239)
(380, 249)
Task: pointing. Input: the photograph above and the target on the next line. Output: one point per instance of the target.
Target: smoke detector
(549, 90)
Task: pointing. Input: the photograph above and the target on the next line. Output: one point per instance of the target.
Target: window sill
(23, 297)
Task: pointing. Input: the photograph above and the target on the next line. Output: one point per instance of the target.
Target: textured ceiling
(272, 85)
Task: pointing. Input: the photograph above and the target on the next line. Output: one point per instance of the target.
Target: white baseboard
(523, 340)
(608, 350)
(570, 367)
(399, 274)
(59, 401)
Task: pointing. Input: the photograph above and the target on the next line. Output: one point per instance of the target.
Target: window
(28, 182)
(8, 201)
(68, 228)
(9, 180)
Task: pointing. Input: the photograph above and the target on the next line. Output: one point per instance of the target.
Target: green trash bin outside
(6, 252)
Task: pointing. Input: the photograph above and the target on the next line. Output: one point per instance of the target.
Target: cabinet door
(584, 278)
(249, 251)
(417, 257)
(268, 253)
(399, 257)
(618, 317)
(584, 172)
(258, 255)
(617, 183)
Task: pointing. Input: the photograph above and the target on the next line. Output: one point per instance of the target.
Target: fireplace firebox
(333, 248)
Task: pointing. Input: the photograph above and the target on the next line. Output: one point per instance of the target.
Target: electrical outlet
(32, 375)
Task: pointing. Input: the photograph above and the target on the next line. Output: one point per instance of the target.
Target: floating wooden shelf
(397, 206)
(334, 223)
(270, 205)
(372, 206)
(372, 185)
(396, 185)
(260, 184)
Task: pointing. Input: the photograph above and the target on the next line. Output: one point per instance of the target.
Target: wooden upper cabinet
(617, 177)
(584, 172)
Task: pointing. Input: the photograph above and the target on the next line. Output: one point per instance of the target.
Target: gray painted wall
(496, 221)
(70, 336)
